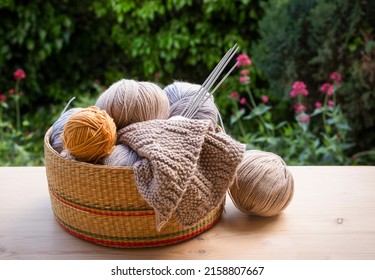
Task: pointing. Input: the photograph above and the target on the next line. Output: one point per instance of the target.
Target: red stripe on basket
(101, 213)
(138, 244)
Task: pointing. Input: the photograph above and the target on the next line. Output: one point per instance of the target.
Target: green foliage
(178, 39)
(64, 46)
(308, 40)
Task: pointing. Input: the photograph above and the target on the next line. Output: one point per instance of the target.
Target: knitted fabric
(187, 167)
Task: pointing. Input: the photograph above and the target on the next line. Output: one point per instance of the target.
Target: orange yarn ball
(89, 134)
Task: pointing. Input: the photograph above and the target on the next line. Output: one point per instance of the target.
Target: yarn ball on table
(264, 184)
(181, 94)
(130, 101)
(89, 134)
(57, 129)
(122, 155)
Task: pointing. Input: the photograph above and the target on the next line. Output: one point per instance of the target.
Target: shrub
(314, 137)
(308, 40)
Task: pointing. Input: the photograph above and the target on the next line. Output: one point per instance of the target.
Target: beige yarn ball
(130, 101)
(264, 185)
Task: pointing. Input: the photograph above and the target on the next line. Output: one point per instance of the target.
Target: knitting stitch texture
(187, 166)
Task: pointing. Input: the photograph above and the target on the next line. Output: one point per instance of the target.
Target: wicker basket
(101, 204)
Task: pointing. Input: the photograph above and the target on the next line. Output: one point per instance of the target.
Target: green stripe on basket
(125, 238)
(106, 208)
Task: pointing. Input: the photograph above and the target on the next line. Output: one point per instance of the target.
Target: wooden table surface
(332, 216)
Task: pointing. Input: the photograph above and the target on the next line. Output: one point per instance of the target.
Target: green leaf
(280, 125)
(238, 115)
(369, 46)
(317, 111)
(258, 111)
(269, 126)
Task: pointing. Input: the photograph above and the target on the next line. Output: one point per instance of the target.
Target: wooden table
(332, 216)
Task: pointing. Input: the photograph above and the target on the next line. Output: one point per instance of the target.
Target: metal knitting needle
(210, 93)
(192, 103)
(211, 80)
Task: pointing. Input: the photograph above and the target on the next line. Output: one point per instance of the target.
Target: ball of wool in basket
(264, 184)
(122, 155)
(57, 129)
(65, 154)
(130, 101)
(181, 94)
(89, 134)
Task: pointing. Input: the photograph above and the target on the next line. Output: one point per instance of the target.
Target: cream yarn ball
(131, 101)
(264, 184)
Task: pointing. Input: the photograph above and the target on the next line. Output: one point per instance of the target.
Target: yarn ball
(181, 95)
(122, 155)
(264, 185)
(89, 134)
(130, 101)
(57, 129)
(65, 154)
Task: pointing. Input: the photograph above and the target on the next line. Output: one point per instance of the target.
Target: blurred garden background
(304, 88)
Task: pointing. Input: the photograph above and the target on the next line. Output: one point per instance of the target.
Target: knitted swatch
(187, 167)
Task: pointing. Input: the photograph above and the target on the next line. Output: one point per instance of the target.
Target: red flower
(336, 78)
(243, 101)
(331, 103)
(19, 75)
(244, 72)
(304, 118)
(327, 88)
(299, 108)
(3, 98)
(244, 79)
(243, 60)
(234, 95)
(298, 88)
(318, 104)
(265, 99)
(11, 91)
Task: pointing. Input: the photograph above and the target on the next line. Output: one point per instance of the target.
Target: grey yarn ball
(121, 155)
(181, 94)
(57, 129)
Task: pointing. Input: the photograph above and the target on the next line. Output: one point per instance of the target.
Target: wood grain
(332, 216)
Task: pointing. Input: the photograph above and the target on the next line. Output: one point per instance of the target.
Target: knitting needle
(210, 93)
(197, 103)
(210, 80)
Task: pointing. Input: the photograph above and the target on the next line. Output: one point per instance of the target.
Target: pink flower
(298, 88)
(244, 79)
(19, 75)
(265, 99)
(304, 118)
(327, 88)
(336, 78)
(331, 103)
(299, 108)
(318, 104)
(234, 95)
(293, 94)
(11, 91)
(243, 101)
(243, 60)
(244, 72)
(3, 98)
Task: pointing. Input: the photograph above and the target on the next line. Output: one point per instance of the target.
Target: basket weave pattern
(101, 204)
